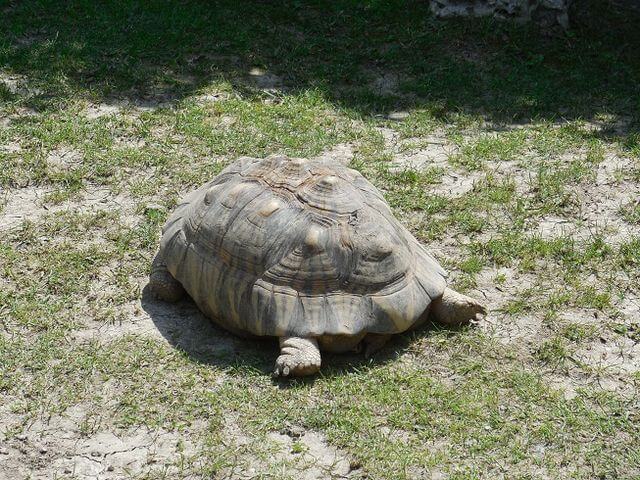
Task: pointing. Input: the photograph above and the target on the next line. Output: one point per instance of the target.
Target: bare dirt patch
(523, 329)
(31, 203)
(63, 158)
(99, 110)
(12, 82)
(310, 455)
(17, 113)
(22, 204)
(614, 355)
(11, 147)
(206, 98)
(298, 453)
(433, 151)
(18, 84)
(131, 106)
(599, 206)
(341, 153)
(56, 447)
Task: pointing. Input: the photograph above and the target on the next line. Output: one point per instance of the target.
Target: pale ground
(63, 445)
(56, 447)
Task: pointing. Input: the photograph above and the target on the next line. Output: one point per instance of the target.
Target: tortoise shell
(295, 247)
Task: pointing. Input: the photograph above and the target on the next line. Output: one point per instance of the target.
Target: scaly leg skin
(374, 342)
(162, 283)
(298, 357)
(454, 308)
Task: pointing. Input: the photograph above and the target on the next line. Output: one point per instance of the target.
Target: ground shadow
(368, 57)
(187, 329)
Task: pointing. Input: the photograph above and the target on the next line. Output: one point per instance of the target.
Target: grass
(110, 113)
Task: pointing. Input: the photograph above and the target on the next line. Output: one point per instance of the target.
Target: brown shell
(282, 246)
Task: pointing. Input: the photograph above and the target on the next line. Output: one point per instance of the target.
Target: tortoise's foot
(162, 283)
(454, 308)
(298, 357)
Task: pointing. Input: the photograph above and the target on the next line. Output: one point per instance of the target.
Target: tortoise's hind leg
(162, 283)
(374, 342)
(454, 308)
(298, 357)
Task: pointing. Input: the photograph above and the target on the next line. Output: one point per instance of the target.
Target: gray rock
(398, 116)
(549, 14)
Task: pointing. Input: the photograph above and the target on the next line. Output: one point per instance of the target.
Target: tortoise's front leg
(298, 357)
(162, 283)
(454, 308)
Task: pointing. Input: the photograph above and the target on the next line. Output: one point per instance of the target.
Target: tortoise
(307, 251)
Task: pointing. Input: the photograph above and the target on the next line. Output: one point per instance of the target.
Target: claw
(281, 370)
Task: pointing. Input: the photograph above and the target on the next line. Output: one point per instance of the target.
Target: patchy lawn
(513, 157)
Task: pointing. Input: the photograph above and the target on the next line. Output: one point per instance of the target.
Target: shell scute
(280, 172)
(331, 194)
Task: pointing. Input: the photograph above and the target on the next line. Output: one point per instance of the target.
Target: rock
(398, 116)
(294, 431)
(263, 79)
(549, 14)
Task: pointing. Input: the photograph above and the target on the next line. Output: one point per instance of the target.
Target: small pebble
(294, 431)
(398, 116)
